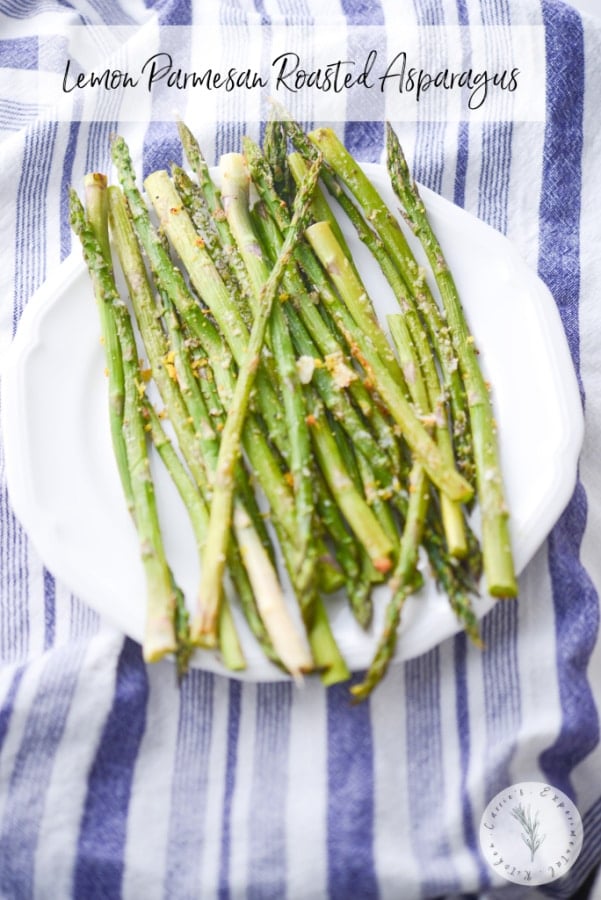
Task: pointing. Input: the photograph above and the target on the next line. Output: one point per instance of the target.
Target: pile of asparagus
(279, 387)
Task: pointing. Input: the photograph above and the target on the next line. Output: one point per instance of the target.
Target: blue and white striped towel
(114, 783)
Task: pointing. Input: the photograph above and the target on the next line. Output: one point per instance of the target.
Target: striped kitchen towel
(114, 781)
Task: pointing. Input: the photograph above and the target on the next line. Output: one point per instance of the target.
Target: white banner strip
(330, 73)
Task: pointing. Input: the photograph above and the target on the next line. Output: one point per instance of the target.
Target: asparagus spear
(328, 659)
(440, 472)
(221, 505)
(206, 433)
(299, 562)
(445, 477)
(496, 542)
(363, 522)
(159, 633)
(231, 651)
(406, 580)
(199, 517)
(422, 379)
(275, 147)
(319, 331)
(435, 331)
(230, 269)
(387, 243)
(360, 592)
(261, 177)
(235, 184)
(195, 257)
(458, 542)
(351, 501)
(346, 547)
(453, 579)
(321, 209)
(95, 184)
(353, 292)
(446, 572)
(171, 280)
(167, 276)
(95, 188)
(212, 196)
(260, 570)
(331, 372)
(235, 198)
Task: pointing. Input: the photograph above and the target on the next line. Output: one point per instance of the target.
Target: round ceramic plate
(65, 489)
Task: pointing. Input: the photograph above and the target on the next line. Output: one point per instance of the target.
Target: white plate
(65, 489)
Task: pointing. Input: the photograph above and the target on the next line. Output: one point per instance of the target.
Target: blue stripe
(429, 12)
(576, 605)
(171, 12)
(233, 731)
(230, 14)
(228, 137)
(350, 814)
(191, 768)
(464, 734)
(463, 128)
(365, 140)
(576, 602)
(23, 9)
(493, 187)
(111, 13)
(260, 7)
(49, 609)
(266, 55)
(15, 615)
(6, 710)
(66, 181)
(559, 241)
(495, 12)
(430, 154)
(101, 844)
(30, 269)
(267, 824)
(162, 147)
(461, 640)
(14, 583)
(501, 693)
(98, 152)
(425, 775)
(590, 856)
(19, 53)
(161, 140)
(502, 696)
(463, 138)
(463, 16)
(32, 771)
(84, 621)
(15, 116)
(30, 227)
(297, 12)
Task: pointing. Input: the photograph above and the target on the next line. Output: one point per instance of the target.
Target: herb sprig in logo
(531, 825)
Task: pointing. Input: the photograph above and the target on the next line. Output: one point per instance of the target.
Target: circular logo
(531, 833)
